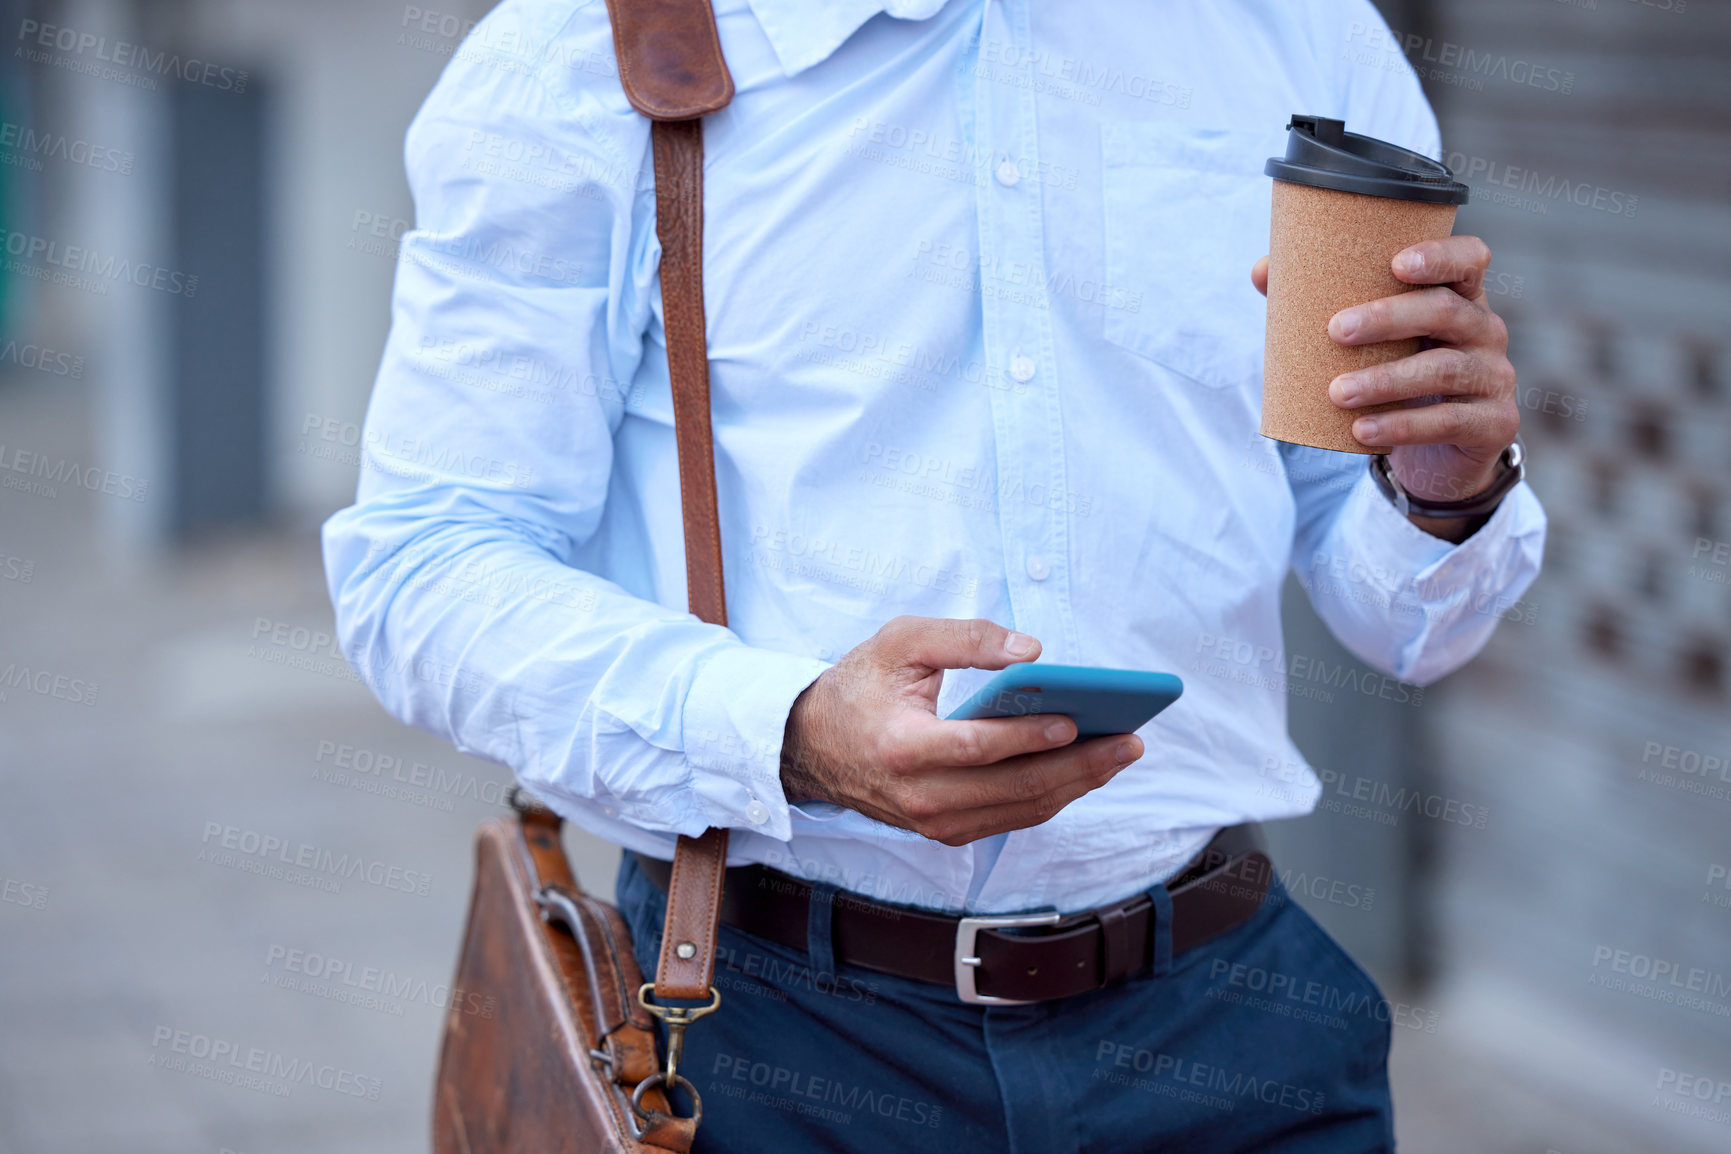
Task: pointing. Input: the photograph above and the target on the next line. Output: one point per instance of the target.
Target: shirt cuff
(1402, 559)
(735, 717)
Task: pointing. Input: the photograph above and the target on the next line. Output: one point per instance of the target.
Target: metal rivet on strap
(686, 949)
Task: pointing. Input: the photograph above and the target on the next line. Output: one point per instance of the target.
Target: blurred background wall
(1593, 736)
(201, 201)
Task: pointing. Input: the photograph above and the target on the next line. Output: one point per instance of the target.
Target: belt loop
(1160, 945)
(1115, 944)
(819, 938)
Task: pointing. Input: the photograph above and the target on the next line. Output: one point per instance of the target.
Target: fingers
(924, 742)
(1484, 424)
(1024, 781)
(958, 781)
(1444, 372)
(930, 643)
(1439, 313)
(971, 804)
(1452, 313)
(1456, 261)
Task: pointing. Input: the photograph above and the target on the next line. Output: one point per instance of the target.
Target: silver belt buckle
(968, 961)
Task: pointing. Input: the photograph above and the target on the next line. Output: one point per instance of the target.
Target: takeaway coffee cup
(1344, 204)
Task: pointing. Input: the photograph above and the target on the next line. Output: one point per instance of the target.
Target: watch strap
(1480, 504)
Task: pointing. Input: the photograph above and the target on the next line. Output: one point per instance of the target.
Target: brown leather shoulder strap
(694, 895)
(670, 60)
(671, 65)
(687, 965)
(679, 224)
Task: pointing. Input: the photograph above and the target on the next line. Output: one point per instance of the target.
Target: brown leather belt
(1012, 958)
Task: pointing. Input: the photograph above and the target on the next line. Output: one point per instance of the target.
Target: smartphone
(1100, 701)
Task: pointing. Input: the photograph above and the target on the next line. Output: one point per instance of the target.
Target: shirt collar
(804, 32)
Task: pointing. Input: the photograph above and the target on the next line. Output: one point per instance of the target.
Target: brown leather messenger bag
(568, 1063)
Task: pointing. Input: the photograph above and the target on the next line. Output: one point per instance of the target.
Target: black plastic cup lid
(1322, 154)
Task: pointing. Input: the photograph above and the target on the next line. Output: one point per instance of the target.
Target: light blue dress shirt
(984, 343)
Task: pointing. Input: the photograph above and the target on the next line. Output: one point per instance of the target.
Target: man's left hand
(1462, 386)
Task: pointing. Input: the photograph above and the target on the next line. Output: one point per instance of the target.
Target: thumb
(946, 643)
(1259, 276)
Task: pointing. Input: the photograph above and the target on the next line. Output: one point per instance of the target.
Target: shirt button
(1022, 369)
(1008, 176)
(756, 813)
(1038, 568)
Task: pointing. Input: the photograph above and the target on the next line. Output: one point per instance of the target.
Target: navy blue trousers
(1269, 1038)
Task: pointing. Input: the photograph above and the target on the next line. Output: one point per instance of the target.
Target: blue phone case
(1099, 701)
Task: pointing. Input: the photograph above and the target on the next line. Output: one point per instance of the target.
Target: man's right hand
(866, 735)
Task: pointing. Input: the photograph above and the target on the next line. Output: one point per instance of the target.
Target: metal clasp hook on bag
(676, 1019)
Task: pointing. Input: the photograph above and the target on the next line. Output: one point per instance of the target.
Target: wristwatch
(1481, 504)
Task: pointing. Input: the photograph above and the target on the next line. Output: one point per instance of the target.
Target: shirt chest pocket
(1186, 217)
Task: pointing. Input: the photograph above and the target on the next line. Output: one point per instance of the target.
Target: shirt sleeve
(1377, 92)
(1406, 603)
(519, 320)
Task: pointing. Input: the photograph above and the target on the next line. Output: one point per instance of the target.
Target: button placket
(1027, 419)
